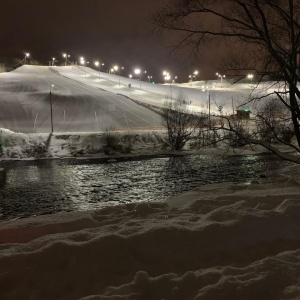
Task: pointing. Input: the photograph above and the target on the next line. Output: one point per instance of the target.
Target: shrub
(110, 142)
(36, 149)
(181, 123)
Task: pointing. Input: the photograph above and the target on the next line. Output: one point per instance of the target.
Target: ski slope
(84, 100)
(25, 104)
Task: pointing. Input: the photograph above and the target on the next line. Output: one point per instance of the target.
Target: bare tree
(268, 31)
(181, 123)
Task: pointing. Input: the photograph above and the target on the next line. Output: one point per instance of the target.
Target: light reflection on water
(50, 186)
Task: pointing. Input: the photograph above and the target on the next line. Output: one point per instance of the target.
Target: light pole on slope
(51, 113)
(65, 55)
(26, 55)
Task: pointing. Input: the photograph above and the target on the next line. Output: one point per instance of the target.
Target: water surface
(50, 186)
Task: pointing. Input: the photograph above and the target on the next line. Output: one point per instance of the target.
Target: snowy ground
(216, 242)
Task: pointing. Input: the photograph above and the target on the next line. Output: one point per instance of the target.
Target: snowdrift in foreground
(216, 242)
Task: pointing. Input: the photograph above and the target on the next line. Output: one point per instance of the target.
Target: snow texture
(220, 241)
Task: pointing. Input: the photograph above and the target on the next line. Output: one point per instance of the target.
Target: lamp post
(122, 68)
(168, 78)
(250, 76)
(195, 75)
(208, 101)
(98, 64)
(51, 114)
(53, 61)
(138, 72)
(113, 70)
(149, 77)
(26, 55)
(191, 79)
(220, 76)
(65, 55)
(165, 73)
(82, 62)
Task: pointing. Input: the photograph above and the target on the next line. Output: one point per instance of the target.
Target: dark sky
(113, 31)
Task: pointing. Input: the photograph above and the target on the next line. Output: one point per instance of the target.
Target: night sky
(112, 31)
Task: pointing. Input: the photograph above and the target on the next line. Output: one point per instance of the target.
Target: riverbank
(221, 241)
(140, 143)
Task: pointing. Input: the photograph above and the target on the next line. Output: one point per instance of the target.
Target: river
(51, 186)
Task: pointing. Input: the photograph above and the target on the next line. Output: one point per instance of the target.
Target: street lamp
(51, 114)
(114, 69)
(220, 76)
(82, 62)
(250, 76)
(208, 100)
(165, 73)
(138, 72)
(26, 55)
(168, 78)
(65, 55)
(98, 64)
(149, 77)
(122, 68)
(195, 74)
(53, 60)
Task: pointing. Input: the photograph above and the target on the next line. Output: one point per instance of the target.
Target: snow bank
(16, 145)
(90, 145)
(40, 145)
(219, 241)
